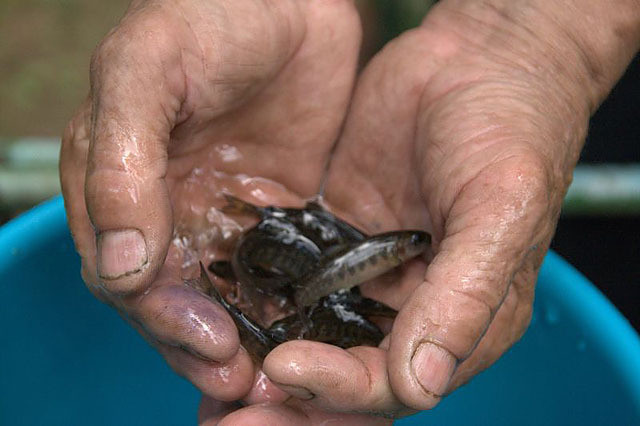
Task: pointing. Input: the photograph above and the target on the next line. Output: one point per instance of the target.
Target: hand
(293, 412)
(188, 99)
(468, 127)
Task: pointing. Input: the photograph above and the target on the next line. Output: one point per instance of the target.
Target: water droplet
(228, 153)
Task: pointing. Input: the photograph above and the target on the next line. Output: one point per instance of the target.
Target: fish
(317, 261)
(359, 263)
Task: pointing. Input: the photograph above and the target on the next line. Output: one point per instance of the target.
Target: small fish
(255, 339)
(359, 263)
(338, 319)
(316, 261)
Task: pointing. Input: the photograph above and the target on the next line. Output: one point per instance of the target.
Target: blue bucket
(67, 359)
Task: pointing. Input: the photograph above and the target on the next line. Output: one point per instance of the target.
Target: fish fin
(205, 283)
(314, 205)
(256, 340)
(238, 206)
(210, 288)
(370, 307)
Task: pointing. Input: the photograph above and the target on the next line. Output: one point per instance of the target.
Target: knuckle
(142, 38)
(104, 53)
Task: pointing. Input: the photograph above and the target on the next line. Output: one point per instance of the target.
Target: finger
(263, 390)
(73, 166)
(126, 195)
(508, 325)
(178, 315)
(334, 379)
(211, 411)
(228, 381)
(296, 413)
(493, 224)
(266, 414)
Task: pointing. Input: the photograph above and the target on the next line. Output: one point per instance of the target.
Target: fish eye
(418, 238)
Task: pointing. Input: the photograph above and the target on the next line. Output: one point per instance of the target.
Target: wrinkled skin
(467, 127)
(129, 165)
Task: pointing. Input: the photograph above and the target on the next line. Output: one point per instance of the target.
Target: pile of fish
(316, 261)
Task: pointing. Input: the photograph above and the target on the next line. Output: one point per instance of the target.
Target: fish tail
(205, 283)
(211, 289)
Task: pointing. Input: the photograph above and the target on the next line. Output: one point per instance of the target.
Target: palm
(268, 143)
(437, 148)
(184, 106)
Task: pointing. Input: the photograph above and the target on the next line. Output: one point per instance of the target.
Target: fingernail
(122, 252)
(433, 367)
(296, 391)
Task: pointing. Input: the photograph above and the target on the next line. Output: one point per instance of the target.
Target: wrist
(544, 70)
(584, 44)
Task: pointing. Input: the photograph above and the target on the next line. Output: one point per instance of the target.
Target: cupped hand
(467, 127)
(191, 98)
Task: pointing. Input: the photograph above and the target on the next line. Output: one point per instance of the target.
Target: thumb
(490, 229)
(135, 104)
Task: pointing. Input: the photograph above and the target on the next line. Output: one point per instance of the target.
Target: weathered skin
(314, 258)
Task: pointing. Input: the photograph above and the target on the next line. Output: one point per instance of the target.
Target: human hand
(189, 99)
(468, 127)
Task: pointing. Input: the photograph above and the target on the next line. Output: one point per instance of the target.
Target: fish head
(412, 243)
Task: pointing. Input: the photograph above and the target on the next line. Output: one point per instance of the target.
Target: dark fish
(317, 260)
(254, 338)
(272, 255)
(362, 262)
(313, 221)
(339, 319)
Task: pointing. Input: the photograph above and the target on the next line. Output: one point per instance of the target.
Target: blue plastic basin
(66, 359)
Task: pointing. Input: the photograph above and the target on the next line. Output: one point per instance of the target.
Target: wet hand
(291, 412)
(189, 99)
(469, 128)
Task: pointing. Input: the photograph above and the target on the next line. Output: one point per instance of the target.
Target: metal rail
(29, 175)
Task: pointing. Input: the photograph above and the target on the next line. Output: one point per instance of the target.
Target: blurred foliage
(45, 47)
(400, 15)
